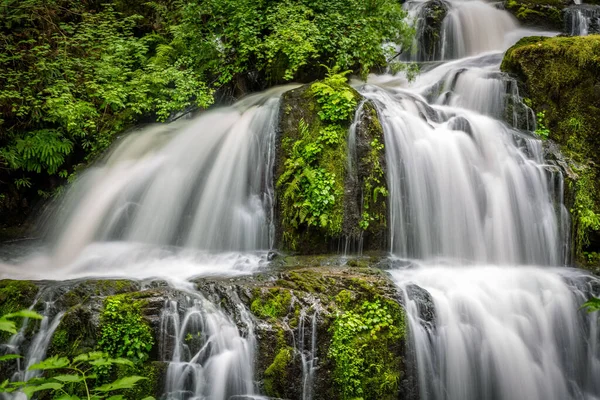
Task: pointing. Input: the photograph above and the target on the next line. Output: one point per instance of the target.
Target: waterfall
(195, 196)
(308, 354)
(477, 217)
(582, 19)
(502, 333)
(35, 351)
(207, 356)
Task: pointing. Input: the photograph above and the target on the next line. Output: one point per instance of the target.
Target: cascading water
(582, 19)
(35, 351)
(193, 196)
(474, 209)
(308, 353)
(207, 356)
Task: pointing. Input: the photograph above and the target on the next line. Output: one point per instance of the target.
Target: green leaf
(51, 363)
(9, 357)
(24, 314)
(7, 326)
(30, 390)
(69, 378)
(124, 383)
(67, 396)
(121, 361)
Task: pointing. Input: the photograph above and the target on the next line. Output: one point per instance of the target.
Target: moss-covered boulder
(352, 312)
(539, 13)
(429, 30)
(329, 174)
(561, 78)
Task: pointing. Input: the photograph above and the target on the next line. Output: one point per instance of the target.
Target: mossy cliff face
(359, 323)
(561, 78)
(539, 13)
(319, 183)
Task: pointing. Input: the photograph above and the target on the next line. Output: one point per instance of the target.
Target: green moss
(272, 303)
(16, 295)
(545, 13)
(276, 375)
(365, 348)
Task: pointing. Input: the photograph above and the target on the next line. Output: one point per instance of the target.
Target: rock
(287, 303)
(545, 14)
(429, 30)
(349, 172)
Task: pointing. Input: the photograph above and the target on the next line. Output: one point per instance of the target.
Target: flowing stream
(479, 216)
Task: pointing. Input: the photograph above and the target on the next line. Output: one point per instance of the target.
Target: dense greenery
(312, 181)
(362, 335)
(124, 333)
(75, 74)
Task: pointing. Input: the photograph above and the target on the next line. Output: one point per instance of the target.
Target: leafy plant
(592, 304)
(8, 325)
(359, 350)
(335, 97)
(541, 130)
(74, 376)
(124, 333)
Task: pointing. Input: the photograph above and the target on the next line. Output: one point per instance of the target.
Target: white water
(35, 350)
(582, 20)
(176, 201)
(208, 357)
(472, 200)
(502, 333)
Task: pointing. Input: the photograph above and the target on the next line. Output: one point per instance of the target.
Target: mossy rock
(16, 295)
(538, 13)
(335, 293)
(561, 77)
(301, 123)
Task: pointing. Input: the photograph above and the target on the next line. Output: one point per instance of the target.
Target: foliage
(309, 189)
(592, 304)
(272, 304)
(124, 333)
(73, 82)
(585, 209)
(73, 376)
(336, 99)
(364, 365)
(541, 130)
(73, 74)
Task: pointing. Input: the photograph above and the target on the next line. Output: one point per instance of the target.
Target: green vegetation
(74, 376)
(315, 154)
(541, 130)
(374, 188)
(586, 210)
(276, 375)
(124, 332)
(543, 13)
(75, 74)
(364, 336)
(274, 303)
